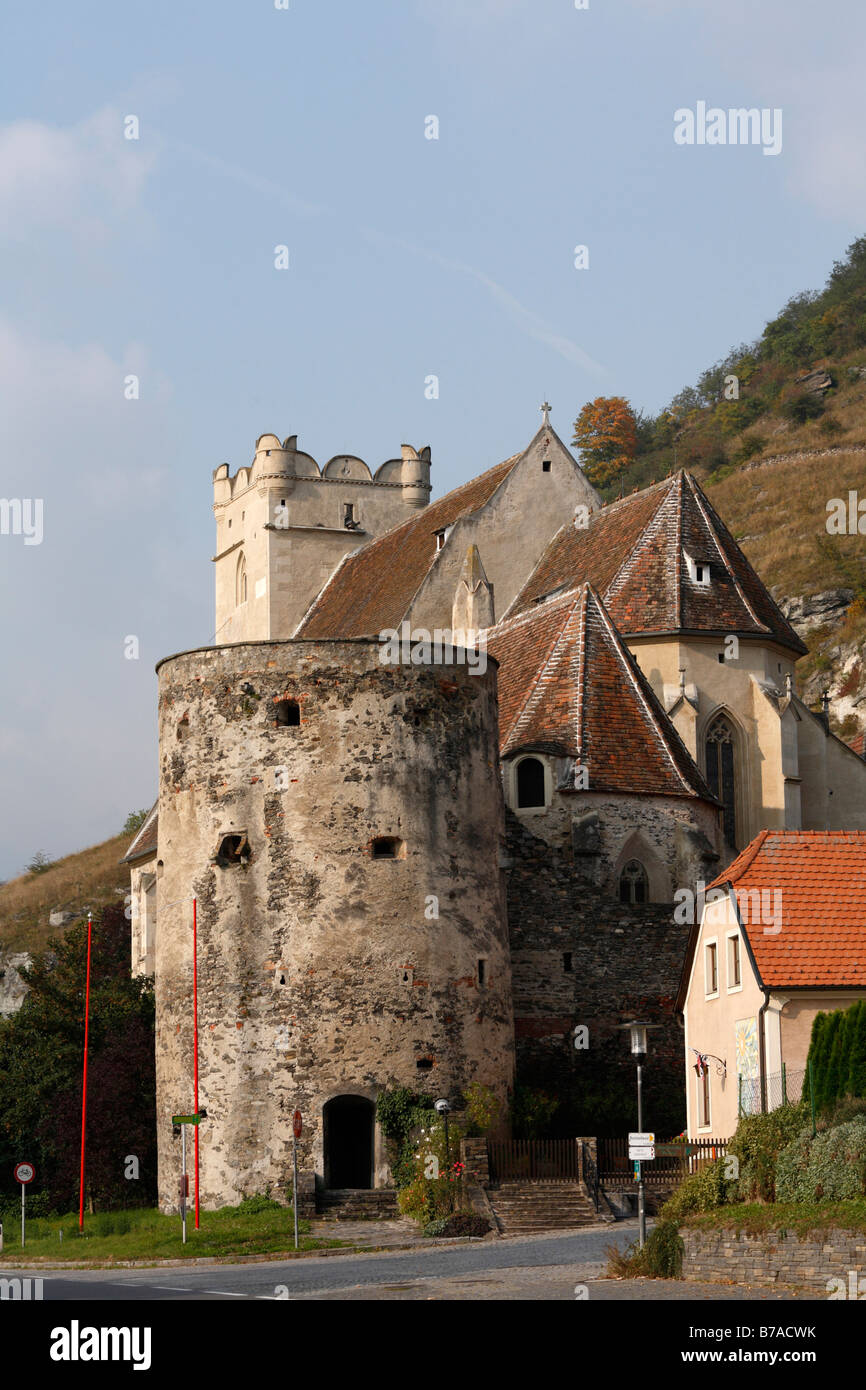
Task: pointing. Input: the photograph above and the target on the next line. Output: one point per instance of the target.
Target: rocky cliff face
(13, 989)
(835, 664)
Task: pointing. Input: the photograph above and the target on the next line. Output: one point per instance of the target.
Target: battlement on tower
(284, 463)
(284, 524)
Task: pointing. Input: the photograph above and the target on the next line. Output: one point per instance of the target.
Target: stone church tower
(284, 525)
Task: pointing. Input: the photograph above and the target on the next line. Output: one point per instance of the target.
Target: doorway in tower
(348, 1142)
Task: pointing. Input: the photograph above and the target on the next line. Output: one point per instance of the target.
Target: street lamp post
(443, 1108)
(638, 1039)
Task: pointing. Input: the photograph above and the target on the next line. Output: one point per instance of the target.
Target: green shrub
(749, 445)
(462, 1223)
(482, 1108)
(701, 1191)
(661, 1257)
(829, 1168)
(757, 1143)
(531, 1112)
(250, 1206)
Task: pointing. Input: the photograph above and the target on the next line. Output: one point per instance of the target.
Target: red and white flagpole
(195, 1037)
(84, 1083)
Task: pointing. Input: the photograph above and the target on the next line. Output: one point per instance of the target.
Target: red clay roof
(373, 587)
(820, 876)
(857, 744)
(634, 554)
(567, 682)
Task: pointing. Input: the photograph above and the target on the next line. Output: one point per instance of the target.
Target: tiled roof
(145, 841)
(373, 587)
(567, 682)
(633, 553)
(857, 744)
(814, 933)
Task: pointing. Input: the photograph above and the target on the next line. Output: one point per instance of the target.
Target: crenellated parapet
(283, 463)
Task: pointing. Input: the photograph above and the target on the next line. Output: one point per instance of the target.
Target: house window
(711, 969)
(349, 519)
(699, 570)
(288, 713)
(530, 783)
(633, 884)
(241, 586)
(545, 465)
(721, 780)
(734, 977)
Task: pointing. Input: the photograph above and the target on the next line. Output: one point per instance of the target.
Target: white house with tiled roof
(781, 938)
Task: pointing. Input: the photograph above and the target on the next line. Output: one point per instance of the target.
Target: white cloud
(72, 179)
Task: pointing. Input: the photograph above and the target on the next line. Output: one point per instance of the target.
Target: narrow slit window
(567, 965)
(288, 713)
(482, 973)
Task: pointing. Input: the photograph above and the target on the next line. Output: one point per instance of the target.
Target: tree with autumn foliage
(605, 431)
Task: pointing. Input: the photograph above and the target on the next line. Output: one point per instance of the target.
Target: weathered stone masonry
(323, 970)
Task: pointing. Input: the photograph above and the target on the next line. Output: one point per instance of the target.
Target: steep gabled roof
(634, 552)
(814, 934)
(144, 842)
(373, 587)
(568, 683)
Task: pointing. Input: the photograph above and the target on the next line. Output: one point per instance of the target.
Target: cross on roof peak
(545, 411)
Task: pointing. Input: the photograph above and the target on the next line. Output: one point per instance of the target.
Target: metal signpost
(641, 1148)
(183, 1121)
(24, 1173)
(297, 1129)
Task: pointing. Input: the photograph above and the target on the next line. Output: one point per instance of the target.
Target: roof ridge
(647, 696)
(534, 691)
(735, 870)
(700, 499)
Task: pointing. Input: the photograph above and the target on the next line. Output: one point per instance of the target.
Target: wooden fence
(534, 1160)
(616, 1169)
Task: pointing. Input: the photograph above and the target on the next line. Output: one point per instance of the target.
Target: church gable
(567, 683)
(664, 563)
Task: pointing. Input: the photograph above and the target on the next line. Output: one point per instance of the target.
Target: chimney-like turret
(415, 475)
(472, 609)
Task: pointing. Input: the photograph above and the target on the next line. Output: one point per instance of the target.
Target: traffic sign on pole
(24, 1172)
(297, 1126)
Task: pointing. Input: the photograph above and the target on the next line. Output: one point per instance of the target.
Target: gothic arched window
(530, 783)
(241, 595)
(633, 883)
(721, 776)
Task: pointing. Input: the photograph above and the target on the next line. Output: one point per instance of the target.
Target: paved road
(552, 1267)
(583, 1252)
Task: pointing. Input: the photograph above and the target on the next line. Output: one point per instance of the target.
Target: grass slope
(89, 879)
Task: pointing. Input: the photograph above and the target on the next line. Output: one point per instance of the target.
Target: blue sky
(408, 257)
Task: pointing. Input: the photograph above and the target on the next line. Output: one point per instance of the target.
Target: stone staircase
(523, 1208)
(357, 1203)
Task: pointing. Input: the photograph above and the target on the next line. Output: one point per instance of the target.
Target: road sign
(642, 1152)
(24, 1172)
(641, 1139)
(297, 1127)
(186, 1119)
(672, 1150)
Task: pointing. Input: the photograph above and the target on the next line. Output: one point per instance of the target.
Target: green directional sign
(673, 1150)
(186, 1119)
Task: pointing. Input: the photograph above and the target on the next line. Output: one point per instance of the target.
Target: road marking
(222, 1293)
(172, 1288)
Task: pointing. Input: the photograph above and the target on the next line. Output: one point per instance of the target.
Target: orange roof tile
(634, 554)
(813, 934)
(568, 683)
(374, 586)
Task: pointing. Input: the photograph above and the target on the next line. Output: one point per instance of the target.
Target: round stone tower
(338, 821)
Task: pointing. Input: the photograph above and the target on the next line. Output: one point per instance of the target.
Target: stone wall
(579, 956)
(774, 1257)
(324, 971)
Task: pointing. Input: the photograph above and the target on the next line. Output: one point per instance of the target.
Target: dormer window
(699, 570)
(440, 538)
